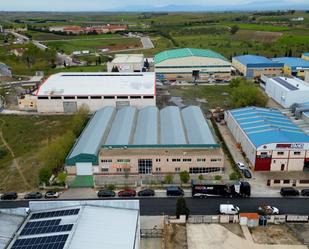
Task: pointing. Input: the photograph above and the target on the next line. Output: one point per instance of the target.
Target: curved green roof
(187, 52)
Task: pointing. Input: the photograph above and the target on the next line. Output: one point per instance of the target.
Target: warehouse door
(262, 164)
(249, 73)
(84, 169)
(69, 107)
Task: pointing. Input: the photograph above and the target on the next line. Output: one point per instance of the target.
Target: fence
(151, 233)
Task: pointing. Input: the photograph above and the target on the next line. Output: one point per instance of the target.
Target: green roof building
(191, 64)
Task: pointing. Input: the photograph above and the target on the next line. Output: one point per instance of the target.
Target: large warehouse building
(253, 66)
(191, 64)
(293, 66)
(286, 90)
(127, 63)
(66, 92)
(146, 141)
(270, 140)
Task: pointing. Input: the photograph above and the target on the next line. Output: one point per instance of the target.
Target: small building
(115, 224)
(191, 64)
(305, 56)
(146, 142)
(269, 139)
(5, 72)
(66, 92)
(127, 63)
(293, 66)
(27, 102)
(286, 91)
(253, 66)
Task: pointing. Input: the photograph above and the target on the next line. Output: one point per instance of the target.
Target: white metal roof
(79, 84)
(128, 58)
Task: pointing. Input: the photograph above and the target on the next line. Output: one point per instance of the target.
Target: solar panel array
(43, 215)
(285, 84)
(48, 242)
(45, 226)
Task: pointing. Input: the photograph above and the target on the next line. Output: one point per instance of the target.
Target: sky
(101, 5)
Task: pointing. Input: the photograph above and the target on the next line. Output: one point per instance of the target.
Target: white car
(229, 209)
(269, 210)
(51, 194)
(241, 165)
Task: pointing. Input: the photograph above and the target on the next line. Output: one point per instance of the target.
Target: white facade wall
(307, 76)
(56, 105)
(240, 137)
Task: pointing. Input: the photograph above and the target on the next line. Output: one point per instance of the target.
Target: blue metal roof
(122, 127)
(264, 126)
(197, 130)
(306, 54)
(293, 62)
(256, 61)
(146, 131)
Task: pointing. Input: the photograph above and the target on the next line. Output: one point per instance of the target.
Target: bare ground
(175, 236)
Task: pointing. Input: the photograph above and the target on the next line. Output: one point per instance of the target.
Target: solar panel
(48, 242)
(43, 215)
(46, 229)
(285, 84)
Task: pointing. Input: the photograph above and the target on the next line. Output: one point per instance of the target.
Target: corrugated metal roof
(292, 62)
(172, 130)
(147, 126)
(122, 127)
(254, 60)
(92, 136)
(198, 131)
(263, 126)
(187, 52)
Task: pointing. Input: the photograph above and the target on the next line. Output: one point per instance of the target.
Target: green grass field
(92, 45)
(26, 135)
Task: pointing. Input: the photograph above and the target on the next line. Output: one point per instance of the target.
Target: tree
(290, 53)
(234, 176)
(201, 177)
(234, 29)
(62, 176)
(181, 208)
(146, 63)
(45, 174)
(115, 69)
(184, 176)
(168, 179)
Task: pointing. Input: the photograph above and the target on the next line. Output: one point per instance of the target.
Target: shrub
(201, 177)
(110, 186)
(234, 176)
(62, 177)
(3, 152)
(168, 179)
(45, 174)
(217, 177)
(184, 176)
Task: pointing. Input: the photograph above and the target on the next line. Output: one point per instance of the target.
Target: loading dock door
(70, 107)
(84, 169)
(262, 164)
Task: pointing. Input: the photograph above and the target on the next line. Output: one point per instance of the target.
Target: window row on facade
(97, 97)
(174, 160)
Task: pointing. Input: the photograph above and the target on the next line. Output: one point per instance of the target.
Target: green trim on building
(210, 66)
(82, 182)
(82, 158)
(187, 52)
(162, 146)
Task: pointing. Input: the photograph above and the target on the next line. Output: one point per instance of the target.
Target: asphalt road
(159, 206)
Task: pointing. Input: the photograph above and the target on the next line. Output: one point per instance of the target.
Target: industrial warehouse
(146, 141)
(269, 139)
(293, 66)
(286, 90)
(127, 63)
(253, 66)
(66, 92)
(191, 64)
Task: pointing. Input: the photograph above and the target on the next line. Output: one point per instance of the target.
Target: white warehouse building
(286, 91)
(66, 92)
(127, 63)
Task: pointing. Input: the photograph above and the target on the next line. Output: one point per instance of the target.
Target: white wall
(84, 169)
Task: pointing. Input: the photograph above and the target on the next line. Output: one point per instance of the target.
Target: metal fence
(151, 233)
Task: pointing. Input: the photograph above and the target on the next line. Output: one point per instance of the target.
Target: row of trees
(52, 156)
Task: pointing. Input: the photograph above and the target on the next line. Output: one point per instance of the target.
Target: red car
(127, 193)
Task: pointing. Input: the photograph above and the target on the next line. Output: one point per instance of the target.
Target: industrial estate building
(305, 56)
(286, 90)
(270, 140)
(293, 66)
(66, 92)
(146, 141)
(73, 225)
(253, 66)
(127, 63)
(191, 64)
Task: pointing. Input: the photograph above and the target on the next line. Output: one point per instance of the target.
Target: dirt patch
(260, 36)
(234, 228)
(301, 231)
(175, 236)
(274, 235)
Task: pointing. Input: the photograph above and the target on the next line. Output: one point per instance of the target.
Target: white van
(228, 209)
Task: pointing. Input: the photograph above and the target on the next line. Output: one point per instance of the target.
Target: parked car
(33, 195)
(174, 191)
(247, 173)
(106, 193)
(9, 196)
(268, 210)
(305, 192)
(289, 191)
(146, 192)
(127, 193)
(51, 194)
(229, 209)
(240, 166)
